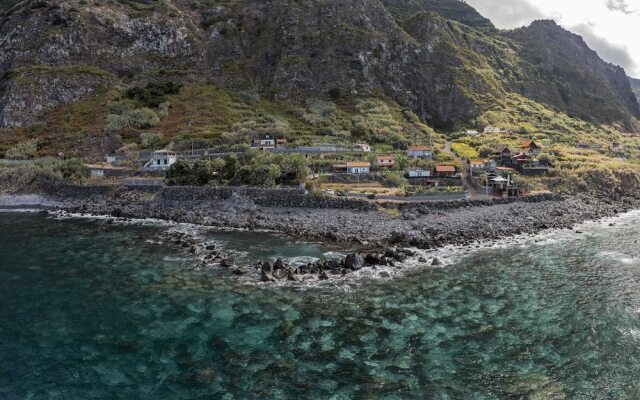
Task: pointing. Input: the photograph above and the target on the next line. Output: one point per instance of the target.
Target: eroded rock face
(29, 92)
(446, 72)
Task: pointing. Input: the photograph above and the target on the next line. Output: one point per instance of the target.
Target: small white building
(494, 129)
(471, 132)
(266, 141)
(364, 147)
(418, 173)
(358, 167)
(161, 160)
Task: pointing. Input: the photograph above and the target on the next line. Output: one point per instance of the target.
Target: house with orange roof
(386, 161)
(443, 171)
(530, 147)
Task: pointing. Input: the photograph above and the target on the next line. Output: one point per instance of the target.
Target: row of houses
(524, 162)
(364, 167)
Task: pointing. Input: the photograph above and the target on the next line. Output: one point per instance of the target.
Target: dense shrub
(142, 118)
(23, 150)
(116, 123)
(153, 94)
(252, 168)
(150, 139)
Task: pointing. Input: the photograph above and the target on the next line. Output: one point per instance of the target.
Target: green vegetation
(465, 151)
(153, 94)
(23, 150)
(27, 175)
(251, 168)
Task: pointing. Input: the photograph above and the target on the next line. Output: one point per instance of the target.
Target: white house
(161, 160)
(265, 141)
(418, 173)
(471, 132)
(358, 167)
(424, 152)
(364, 147)
(493, 129)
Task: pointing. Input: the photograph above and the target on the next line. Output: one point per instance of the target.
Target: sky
(610, 27)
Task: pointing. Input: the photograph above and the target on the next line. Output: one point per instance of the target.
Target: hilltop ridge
(439, 60)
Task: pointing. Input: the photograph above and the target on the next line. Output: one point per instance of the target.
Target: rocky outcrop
(27, 93)
(561, 70)
(635, 87)
(450, 9)
(413, 52)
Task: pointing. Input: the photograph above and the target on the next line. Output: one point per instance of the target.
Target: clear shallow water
(94, 311)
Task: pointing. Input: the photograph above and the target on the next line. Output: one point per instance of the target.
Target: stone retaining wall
(276, 197)
(266, 197)
(449, 205)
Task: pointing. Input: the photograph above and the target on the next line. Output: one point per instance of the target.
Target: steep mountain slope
(635, 87)
(455, 10)
(438, 59)
(559, 69)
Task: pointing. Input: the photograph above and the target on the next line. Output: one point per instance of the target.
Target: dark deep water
(93, 311)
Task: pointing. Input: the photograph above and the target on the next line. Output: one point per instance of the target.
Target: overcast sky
(610, 27)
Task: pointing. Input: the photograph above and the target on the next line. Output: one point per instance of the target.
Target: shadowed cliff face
(635, 87)
(446, 72)
(561, 70)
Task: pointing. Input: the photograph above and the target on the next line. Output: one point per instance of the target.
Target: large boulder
(280, 273)
(354, 261)
(373, 258)
(267, 268)
(279, 264)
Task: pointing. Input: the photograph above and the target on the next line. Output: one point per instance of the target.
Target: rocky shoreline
(382, 234)
(208, 255)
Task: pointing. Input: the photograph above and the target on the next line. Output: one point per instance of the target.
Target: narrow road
(474, 193)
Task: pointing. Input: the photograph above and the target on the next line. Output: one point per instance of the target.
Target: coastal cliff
(440, 59)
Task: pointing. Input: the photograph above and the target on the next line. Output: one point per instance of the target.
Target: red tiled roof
(445, 168)
(358, 164)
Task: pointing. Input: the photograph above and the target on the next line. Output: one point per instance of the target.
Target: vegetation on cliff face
(635, 87)
(86, 77)
(456, 10)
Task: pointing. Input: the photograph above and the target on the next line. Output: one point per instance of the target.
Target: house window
(166, 162)
(158, 162)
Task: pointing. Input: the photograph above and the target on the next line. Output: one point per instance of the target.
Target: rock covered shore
(424, 225)
(381, 232)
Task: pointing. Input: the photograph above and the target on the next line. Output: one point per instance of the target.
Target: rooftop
(445, 168)
(358, 164)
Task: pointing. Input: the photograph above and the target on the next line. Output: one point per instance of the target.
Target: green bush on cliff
(153, 94)
(23, 150)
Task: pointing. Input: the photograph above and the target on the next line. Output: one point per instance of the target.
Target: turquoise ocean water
(96, 311)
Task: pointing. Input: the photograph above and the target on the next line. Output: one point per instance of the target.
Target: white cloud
(611, 27)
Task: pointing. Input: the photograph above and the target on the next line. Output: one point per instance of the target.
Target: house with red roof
(531, 148)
